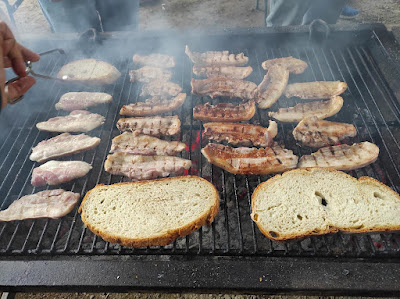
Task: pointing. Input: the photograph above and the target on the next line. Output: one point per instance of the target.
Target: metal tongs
(29, 71)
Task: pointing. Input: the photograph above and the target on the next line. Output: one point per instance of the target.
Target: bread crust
(160, 240)
(304, 171)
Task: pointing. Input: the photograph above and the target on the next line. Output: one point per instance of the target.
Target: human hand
(12, 54)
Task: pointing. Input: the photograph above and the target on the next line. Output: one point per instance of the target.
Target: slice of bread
(317, 201)
(150, 213)
(90, 71)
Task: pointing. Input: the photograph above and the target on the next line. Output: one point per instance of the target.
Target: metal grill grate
(369, 104)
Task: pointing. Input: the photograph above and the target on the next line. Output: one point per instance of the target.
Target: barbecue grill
(231, 254)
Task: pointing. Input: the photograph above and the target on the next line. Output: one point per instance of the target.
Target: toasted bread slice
(304, 202)
(90, 71)
(150, 213)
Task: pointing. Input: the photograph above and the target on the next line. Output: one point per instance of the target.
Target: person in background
(303, 12)
(13, 55)
(80, 15)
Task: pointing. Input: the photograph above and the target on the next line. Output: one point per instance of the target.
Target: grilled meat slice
(76, 121)
(81, 100)
(156, 60)
(216, 58)
(225, 112)
(318, 133)
(45, 204)
(151, 107)
(293, 65)
(315, 90)
(210, 71)
(145, 145)
(138, 167)
(342, 157)
(241, 134)
(160, 88)
(244, 160)
(154, 126)
(224, 87)
(62, 145)
(147, 74)
(272, 86)
(58, 172)
(319, 109)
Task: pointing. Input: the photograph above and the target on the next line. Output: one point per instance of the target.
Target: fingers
(20, 87)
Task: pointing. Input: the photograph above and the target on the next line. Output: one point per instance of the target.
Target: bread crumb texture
(316, 201)
(150, 212)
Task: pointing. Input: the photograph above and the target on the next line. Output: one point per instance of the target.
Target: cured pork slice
(145, 145)
(156, 60)
(147, 74)
(81, 100)
(272, 86)
(224, 87)
(137, 167)
(342, 157)
(160, 88)
(318, 133)
(315, 90)
(319, 109)
(225, 112)
(293, 65)
(222, 71)
(76, 121)
(153, 106)
(58, 172)
(216, 58)
(241, 134)
(154, 126)
(45, 204)
(244, 160)
(62, 145)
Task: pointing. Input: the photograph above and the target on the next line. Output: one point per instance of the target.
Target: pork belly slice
(152, 107)
(318, 133)
(216, 58)
(319, 109)
(224, 87)
(342, 157)
(145, 145)
(152, 125)
(272, 86)
(244, 160)
(137, 167)
(160, 88)
(241, 134)
(225, 112)
(58, 172)
(315, 90)
(45, 204)
(210, 71)
(293, 65)
(62, 145)
(156, 60)
(147, 74)
(81, 100)
(76, 121)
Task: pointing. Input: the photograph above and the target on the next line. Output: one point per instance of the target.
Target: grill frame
(192, 268)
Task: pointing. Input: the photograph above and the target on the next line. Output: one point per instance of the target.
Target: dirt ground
(189, 14)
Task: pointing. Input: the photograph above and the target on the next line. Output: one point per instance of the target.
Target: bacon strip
(145, 145)
(216, 58)
(147, 74)
(342, 157)
(272, 86)
(160, 88)
(151, 107)
(293, 65)
(225, 112)
(222, 71)
(244, 160)
(156, 60)
(241, 134)
(315, 90)
(154, 126)
(138, 167)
